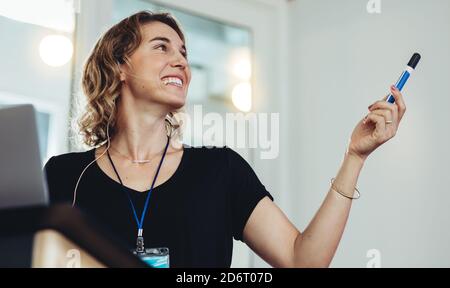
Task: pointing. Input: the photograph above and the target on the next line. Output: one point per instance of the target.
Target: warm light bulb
(242, 96)
(56, 50)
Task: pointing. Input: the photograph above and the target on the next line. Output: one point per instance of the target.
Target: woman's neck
(141, 133)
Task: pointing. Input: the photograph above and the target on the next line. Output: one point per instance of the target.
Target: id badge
(155, 257)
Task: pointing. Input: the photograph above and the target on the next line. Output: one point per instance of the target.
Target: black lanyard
(140, 223)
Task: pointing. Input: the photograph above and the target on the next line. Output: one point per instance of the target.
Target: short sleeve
(55, 177)
(246, 191)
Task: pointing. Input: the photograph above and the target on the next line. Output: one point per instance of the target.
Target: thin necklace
(136, 161)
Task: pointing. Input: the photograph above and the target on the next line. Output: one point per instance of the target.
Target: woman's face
(159, 69)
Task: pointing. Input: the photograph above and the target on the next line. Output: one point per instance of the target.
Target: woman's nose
(179, 61)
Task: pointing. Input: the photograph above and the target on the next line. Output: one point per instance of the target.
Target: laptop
(22, 181)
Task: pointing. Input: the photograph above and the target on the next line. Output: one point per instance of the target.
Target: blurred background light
(240, 63)
(242, 96)
(56, 50)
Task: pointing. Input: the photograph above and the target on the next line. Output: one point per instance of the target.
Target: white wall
(344, 59)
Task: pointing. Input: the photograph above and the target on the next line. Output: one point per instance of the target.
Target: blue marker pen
(405, 75)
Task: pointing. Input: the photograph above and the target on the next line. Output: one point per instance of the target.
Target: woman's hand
(378, 126)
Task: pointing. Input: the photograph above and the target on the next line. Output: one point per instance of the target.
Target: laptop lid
(21, 176)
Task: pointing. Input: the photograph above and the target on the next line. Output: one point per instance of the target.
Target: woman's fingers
(390, 127)
(382, 105)
(385, 116)
(385, 113)
(399, 101)
(398, 108)
(380, 126)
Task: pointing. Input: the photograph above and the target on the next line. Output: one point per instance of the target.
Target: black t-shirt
(195, 213)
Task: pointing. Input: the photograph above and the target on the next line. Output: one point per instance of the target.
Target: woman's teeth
(173, 80)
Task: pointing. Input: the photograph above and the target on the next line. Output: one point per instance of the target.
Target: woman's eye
(164, 48)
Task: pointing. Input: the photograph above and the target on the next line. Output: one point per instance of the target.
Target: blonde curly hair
(101, 76)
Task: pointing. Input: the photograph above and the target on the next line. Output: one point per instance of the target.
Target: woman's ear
(122, 74)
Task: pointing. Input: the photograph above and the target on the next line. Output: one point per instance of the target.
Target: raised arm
(270, 233)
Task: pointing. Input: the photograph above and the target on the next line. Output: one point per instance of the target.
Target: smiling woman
(196, 200)
(120, 58)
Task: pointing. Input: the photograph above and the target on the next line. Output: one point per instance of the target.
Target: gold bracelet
(336, 190)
